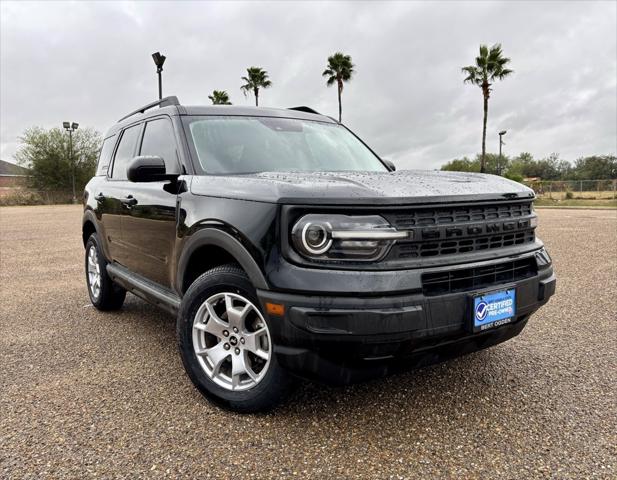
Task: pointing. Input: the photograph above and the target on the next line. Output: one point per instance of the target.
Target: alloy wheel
(231, 341)
(94, 272)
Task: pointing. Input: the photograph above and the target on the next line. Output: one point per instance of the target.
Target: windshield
(233, 145)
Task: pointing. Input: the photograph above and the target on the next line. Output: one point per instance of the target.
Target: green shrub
(24, 196)
(21, 197)
(514, 176)
(569, 195)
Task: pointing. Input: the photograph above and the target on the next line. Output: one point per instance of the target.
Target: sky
(91, 63)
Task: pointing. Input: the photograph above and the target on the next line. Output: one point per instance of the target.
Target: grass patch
(576, 202)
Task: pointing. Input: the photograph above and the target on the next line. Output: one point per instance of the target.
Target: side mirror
(146, 168)
(389, 164)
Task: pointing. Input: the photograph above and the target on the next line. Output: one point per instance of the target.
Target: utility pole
(71, 127)
(501, 134)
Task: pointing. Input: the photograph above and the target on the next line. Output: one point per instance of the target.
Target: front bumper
(344, 339)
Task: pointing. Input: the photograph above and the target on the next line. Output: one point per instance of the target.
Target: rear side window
(159, 140)
(105, 155)
(125, 152)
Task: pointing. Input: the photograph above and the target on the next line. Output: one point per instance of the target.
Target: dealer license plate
(493, 309)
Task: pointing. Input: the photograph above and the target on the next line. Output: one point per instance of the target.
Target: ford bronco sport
(287, 248)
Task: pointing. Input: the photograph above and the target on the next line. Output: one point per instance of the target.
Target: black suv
(286, 247)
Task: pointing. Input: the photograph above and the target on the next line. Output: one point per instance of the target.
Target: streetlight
(159, 60)
(71, 127)
(501, 134)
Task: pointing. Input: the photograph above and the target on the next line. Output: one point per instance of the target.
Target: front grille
(456, 229)
(466, 279)
(459, 214)
(450, 247)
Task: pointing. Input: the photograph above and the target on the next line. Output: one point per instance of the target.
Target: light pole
(71, 127)
(159, 60)
(501, 134)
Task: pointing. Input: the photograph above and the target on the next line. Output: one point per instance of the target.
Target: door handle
(100, 197)
(129, 200)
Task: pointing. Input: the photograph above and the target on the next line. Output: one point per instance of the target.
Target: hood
(354, 188)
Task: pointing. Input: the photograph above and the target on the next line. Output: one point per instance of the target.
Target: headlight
(345, 238)
(316, 238)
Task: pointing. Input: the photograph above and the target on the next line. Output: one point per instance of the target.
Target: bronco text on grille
(463, 228)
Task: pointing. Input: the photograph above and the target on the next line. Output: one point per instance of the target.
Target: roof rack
(163, 102)
(304, 109)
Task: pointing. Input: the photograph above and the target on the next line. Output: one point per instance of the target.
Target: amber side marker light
(275, 309)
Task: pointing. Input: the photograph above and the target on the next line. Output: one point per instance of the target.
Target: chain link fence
(575, 189)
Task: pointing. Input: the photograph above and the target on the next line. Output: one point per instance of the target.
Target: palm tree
(219, 97)
(340, 69)
(256, 78)
(490, 66)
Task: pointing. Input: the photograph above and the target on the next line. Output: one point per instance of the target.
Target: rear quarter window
(107, 150)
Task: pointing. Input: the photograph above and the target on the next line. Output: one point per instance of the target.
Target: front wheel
(226, 345)
(104, 293)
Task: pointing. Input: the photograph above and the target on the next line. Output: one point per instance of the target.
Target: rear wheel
(104, 293)
(226, 345)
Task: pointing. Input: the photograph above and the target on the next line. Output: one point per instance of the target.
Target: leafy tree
(514, 176)
(219, 97)
(340, 69)
(522, 165)
(565, 170)
(494, 164)
(489, 67)
(550, 168)
(46, 154)
(596, 167)
(526, 166)
(461, 165)
(255, 79)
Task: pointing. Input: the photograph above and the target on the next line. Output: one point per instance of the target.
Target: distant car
(287, 248)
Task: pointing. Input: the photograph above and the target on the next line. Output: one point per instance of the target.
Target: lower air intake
(466, 279)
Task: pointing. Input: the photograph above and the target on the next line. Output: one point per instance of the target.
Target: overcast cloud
(90, 63)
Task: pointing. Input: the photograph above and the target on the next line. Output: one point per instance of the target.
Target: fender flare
(221, 239)
(90, 216)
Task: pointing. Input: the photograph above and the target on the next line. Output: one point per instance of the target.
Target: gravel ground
(86, 394)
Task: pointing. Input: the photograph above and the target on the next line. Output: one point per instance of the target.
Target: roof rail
(164, 102)
(304, 109)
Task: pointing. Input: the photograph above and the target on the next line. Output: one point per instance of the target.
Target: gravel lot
(86, 394)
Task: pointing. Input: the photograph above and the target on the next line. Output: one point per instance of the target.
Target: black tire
(276, 382)
(111, 295)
